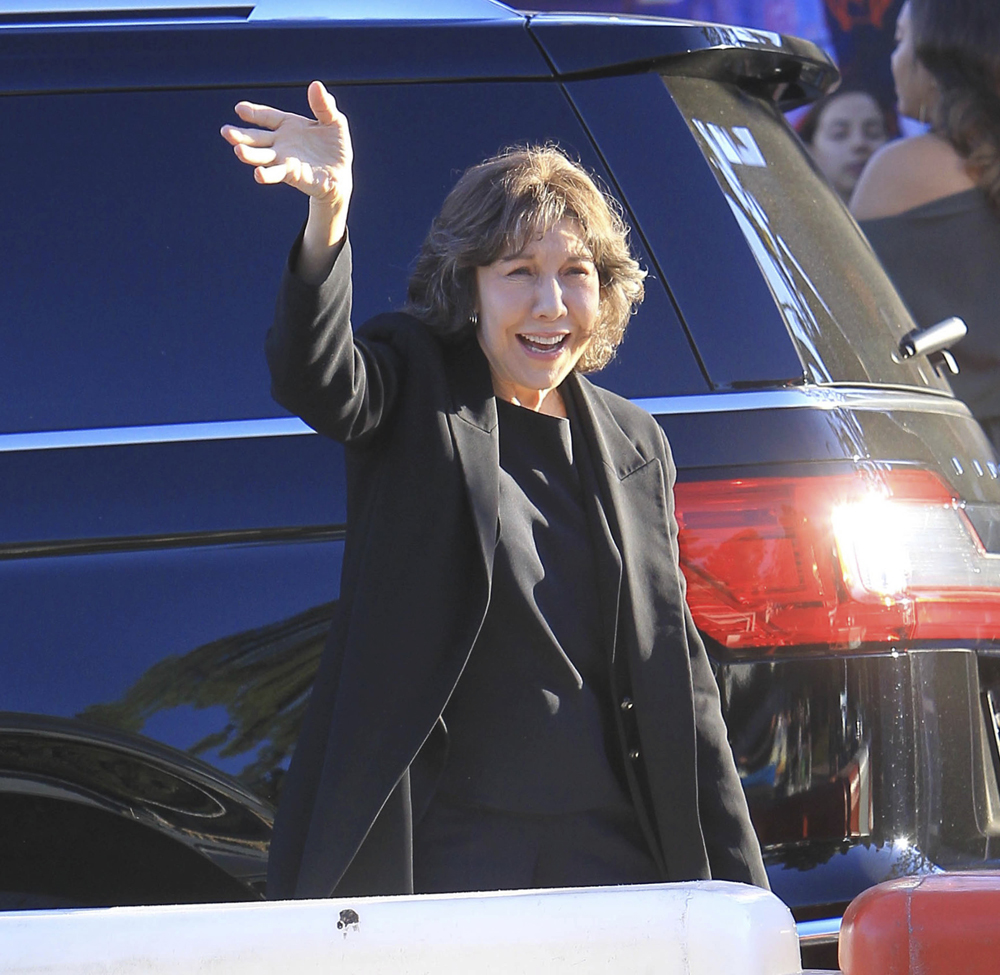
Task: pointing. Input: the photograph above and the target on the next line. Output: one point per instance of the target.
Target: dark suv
(170, 541)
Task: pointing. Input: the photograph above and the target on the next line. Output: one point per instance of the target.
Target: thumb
(322, 103)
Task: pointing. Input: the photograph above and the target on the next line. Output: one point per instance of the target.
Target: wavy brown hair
(958, 41)
(493, 211)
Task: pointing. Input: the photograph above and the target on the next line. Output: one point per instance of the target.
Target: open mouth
(543, 344)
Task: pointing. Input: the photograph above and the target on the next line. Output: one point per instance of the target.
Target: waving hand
(313, 155)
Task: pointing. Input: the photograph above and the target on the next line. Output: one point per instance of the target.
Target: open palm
(313, 155)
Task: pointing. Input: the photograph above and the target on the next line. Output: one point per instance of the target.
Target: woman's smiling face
(537, 312)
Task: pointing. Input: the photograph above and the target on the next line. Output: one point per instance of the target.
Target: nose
(549, 304)
(861, 144)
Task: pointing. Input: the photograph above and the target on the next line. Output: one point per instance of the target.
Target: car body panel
(170, 539)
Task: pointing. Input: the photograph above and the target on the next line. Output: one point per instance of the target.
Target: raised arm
(313, 155)
(341, 387)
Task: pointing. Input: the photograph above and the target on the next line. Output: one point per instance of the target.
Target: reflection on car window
(736, 147)
(843, 314)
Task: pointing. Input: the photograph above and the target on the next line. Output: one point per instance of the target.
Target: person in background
(841, 131)
(930, 204)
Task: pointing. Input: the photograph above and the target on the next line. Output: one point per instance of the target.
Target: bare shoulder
(908, 173)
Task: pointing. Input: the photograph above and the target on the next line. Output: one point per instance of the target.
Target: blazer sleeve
(343, 386)
(730, 840)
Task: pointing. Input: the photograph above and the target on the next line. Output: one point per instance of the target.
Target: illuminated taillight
(869, 557)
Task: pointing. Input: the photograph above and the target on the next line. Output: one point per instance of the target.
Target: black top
(529, 723)
(944, 258)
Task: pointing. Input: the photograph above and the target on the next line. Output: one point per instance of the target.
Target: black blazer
(419, 421)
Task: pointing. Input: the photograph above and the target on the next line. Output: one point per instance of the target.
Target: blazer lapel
(651, 647)
(473, 422)
(613, 455)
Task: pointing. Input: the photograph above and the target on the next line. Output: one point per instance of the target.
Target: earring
(474, 319)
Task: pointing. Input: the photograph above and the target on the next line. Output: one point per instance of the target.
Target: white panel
(706, 928)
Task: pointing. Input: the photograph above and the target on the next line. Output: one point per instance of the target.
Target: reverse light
(870, 557)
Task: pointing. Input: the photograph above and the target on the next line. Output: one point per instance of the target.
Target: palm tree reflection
(261, 677)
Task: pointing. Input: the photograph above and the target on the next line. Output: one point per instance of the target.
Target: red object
(858, 13)
(873, 557)
(944, 924)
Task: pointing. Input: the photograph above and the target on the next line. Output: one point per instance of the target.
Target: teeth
(544, 339)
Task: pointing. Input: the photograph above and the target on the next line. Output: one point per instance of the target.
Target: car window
(139, 269)
(838, 305)
(141, 261)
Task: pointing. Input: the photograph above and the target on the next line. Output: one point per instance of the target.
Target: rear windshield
(842, 312)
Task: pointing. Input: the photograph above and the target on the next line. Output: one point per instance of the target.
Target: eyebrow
(527, 255)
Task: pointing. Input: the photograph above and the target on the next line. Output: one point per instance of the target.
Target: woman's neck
(548, 401)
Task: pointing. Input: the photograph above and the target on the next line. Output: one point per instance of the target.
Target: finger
(256, 157)
(269, 118)
(248, 137)
(322, 103)
(270, 174)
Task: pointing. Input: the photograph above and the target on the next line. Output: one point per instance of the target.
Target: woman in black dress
(930, 204)
(514, 694)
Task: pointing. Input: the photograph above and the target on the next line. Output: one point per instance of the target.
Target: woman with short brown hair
(493, 209)
(514, 693)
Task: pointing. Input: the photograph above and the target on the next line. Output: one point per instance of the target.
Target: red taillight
(869, 557)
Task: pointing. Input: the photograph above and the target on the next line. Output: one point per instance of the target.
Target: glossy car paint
(170, 540)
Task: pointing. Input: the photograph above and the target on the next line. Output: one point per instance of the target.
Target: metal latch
(934, 342)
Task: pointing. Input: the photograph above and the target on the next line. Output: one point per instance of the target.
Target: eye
(518, 271)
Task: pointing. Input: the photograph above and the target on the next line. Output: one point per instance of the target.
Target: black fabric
(419, 421)
(609, 572)
(528, 722)
(460, 848)
(944, 259)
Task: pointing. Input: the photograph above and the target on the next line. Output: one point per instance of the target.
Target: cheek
(594, 306)
(495, 337)
(827, 154)
(906, 74)
(900, 54)
(496, 310)
(821, 150)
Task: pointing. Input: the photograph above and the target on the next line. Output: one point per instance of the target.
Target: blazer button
(626, 704)
(634, 754)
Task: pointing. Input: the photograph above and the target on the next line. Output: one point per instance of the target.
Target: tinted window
(139, 269)
(142, 260)
(839, 307)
